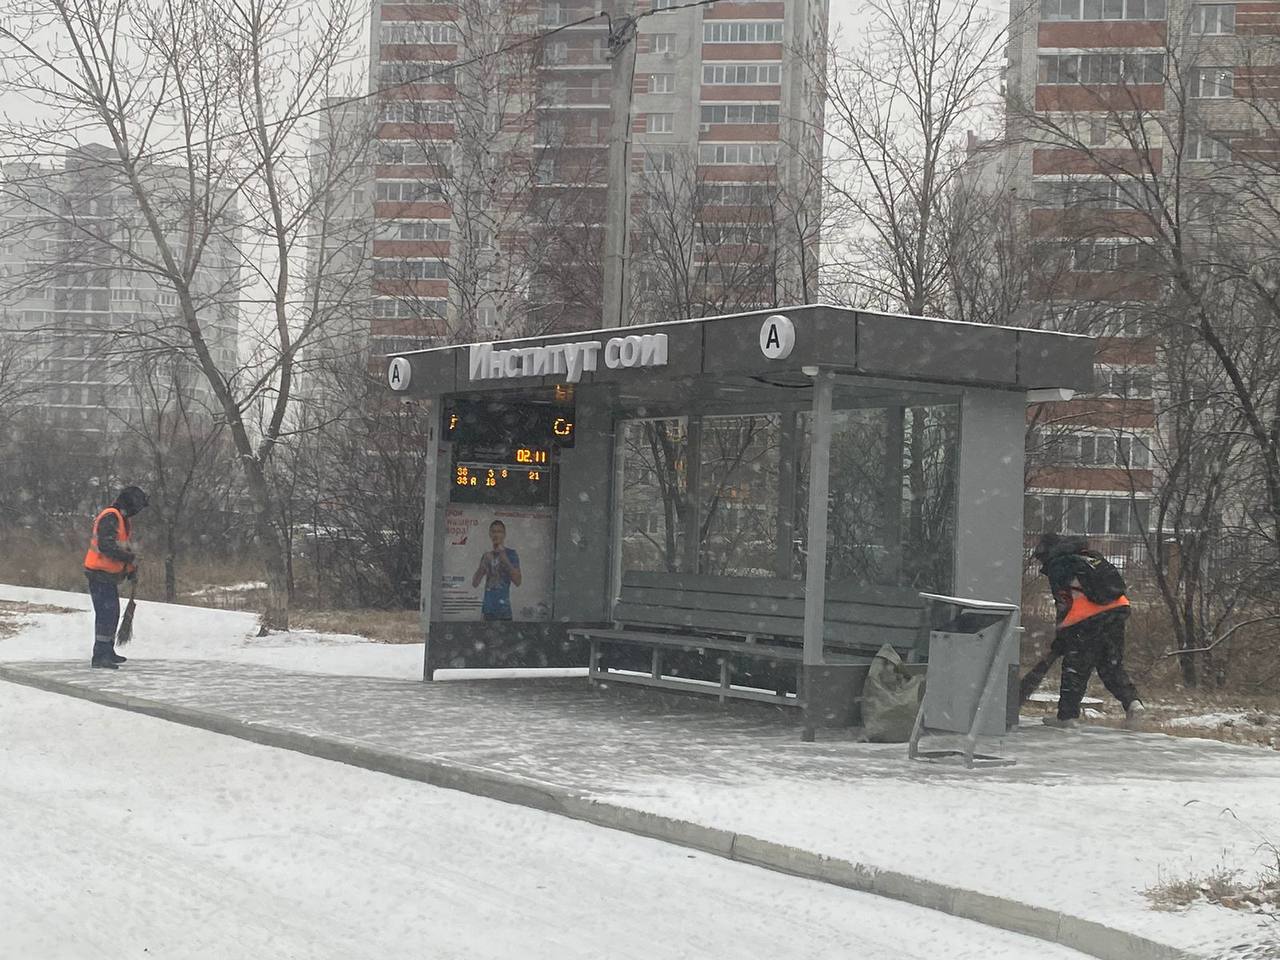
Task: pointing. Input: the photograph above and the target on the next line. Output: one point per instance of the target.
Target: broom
(125, 633)
(1031, 682)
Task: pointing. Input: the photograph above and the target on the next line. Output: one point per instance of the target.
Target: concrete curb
(1077, 933)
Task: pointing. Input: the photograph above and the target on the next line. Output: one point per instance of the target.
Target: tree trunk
(170, 567)
(271, 548)
(275, 615)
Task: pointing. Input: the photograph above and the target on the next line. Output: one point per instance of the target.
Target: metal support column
(430, 496)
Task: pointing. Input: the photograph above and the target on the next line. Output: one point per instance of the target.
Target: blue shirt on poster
(497, 587)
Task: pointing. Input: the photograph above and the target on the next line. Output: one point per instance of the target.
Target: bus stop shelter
(745, 506)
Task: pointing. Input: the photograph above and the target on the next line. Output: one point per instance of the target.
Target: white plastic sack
(890, 699)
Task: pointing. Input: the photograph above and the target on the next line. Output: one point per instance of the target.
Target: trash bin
(972, 665)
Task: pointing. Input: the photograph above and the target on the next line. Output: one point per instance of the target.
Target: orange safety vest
(1082, 608)
(93, 560)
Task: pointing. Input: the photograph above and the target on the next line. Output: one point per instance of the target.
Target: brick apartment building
(488, 189)
(1110, 102)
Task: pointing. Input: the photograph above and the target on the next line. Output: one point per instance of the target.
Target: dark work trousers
(1095, 644)
(106, 607)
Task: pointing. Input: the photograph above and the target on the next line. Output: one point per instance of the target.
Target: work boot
(102, 656)
(116, 658)
(1134, 714)
(1062, 722)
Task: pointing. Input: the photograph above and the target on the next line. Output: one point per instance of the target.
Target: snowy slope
(172, 631)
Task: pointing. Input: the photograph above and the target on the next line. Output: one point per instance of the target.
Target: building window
(1202, 146)
(1122, 382)
(554, 15)
(417, 31)
(1104, 257)
(1212, 83)
(740, 113)
(659, 162)
(406, 191)
(410, 269)
(735, 194)
(748, 31)
(1076, 193)
(387, 308)
(659, 123)
(415, 111)
(663, 4)
(1101, 68)
(395, 72)
(747, 74)
(1089, 516)
(1213, 18)
(662, 43)
(414, 230)
(1094, 450)
(733, 154)
(1097, 132)
(413, 153)
(1102, 9)
(662, 82)
(557, 53)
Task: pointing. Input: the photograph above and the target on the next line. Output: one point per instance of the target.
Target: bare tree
(202, 104)
(900, 101)
(176, 447)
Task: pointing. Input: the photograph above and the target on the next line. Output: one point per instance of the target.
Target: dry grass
(12, 614)
(384, 626)
(1224, 886)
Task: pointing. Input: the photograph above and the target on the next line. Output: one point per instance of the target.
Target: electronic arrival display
(506, 454)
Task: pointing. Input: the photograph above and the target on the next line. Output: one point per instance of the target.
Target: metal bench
(727, 620)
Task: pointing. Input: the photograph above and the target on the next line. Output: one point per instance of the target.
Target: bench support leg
(593, 665)
(656, 667)
(724, 679)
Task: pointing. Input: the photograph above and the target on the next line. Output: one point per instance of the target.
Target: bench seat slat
(837, 634)
(764, 651)
(856, 593)
(791, 608)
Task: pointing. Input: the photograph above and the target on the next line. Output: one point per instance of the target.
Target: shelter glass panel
(655, 494)
(738, 496)
(892, 499)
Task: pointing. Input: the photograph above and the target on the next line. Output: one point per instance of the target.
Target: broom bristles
(125, 633)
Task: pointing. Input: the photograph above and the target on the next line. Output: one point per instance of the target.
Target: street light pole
(622, 53)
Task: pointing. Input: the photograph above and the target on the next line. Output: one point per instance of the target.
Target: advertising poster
(497, 562)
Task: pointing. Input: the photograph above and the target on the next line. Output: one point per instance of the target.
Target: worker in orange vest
(1089, 594)
(110, 560)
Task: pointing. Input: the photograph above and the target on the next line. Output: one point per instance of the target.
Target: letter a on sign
(777, 337)
(398, 374)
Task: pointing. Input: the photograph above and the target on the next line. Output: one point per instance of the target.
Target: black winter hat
(132, 500)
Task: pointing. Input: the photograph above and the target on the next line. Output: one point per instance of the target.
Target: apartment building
(491, 179)
(1113, 107)
(73, 293)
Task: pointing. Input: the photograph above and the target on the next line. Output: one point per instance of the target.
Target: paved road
(125, 836)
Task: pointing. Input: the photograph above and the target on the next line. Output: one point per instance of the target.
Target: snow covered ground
(175, 632)
(1084, 823)
(164, 631)
(125, 836)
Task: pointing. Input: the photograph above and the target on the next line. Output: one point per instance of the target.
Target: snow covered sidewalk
(1083, 824)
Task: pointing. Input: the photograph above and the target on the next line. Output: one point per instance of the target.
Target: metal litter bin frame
(998, 655)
